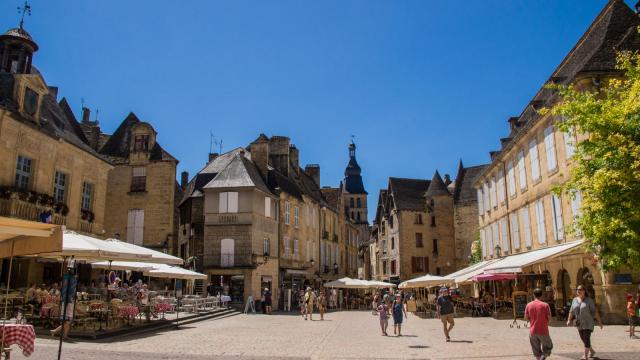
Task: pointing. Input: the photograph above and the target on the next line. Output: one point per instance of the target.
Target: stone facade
(518, 212)
(421, 226)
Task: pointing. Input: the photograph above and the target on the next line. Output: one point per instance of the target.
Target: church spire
(352, 174)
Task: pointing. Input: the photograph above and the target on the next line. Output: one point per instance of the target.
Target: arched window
(227, 252)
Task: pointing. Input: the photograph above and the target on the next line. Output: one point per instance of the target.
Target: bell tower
(17, 47)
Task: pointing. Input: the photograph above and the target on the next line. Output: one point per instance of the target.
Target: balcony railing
(14, 207)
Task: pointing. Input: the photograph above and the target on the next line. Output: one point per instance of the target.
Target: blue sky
(420, 84)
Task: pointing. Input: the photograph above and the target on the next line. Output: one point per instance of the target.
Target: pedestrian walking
(398, 312)
(301, 303)
(309, 300)
(445, 310)
(383, 314)
(538, 314)
(322, 304)
(583, 310)
(631, 314)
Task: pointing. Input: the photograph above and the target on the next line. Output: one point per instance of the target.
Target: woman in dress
(398, 311)
(583, 310)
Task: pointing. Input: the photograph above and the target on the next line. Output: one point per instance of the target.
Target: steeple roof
(437, 186)
(352, 174)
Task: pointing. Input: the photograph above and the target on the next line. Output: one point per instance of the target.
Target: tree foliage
(606, 165)
(476, 251)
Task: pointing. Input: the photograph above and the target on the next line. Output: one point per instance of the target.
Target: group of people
(310, 299)
(35, 294)
(386, 305)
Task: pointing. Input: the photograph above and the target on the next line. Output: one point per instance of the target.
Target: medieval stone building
(252, 218)
(423, 226)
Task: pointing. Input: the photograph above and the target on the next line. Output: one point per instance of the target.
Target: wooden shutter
(413, 264)
(139, 227)
(550, 148)
(233, 202)
(222, 208)
(426, 264)
(131, 226)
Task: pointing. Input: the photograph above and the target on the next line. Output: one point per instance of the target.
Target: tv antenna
(24, 10)
(214, 142)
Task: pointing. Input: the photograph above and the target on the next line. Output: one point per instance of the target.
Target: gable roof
(240, 172)
(464, 190)
(332, 196)
(408, 194)
(119, 143)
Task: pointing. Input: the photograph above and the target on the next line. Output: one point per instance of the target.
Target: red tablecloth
(162, 307)
(22, 335)
(128, 311)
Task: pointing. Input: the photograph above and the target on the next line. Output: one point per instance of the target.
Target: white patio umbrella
(427, 280)
(380, 284)
(347, 283)
(174, 272)
(124, 265)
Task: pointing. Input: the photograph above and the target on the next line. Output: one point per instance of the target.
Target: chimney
(259, 149)
(513, 123)
(447, 179)
(294, 158)
(279, 154)
(313, 170)
(86, 115)
(212, 156)
(184, 179)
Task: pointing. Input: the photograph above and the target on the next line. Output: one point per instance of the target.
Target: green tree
(606, 164)
(476, 251)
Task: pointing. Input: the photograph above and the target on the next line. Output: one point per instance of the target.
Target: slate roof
(464, 190)
(437, 186)
(118, 144)
(332, 196)
(614, 29)
(240, 172)
(56, 119)
(408, 194)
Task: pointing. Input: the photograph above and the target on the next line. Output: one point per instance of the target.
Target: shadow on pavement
(418, 346)
(462, 341)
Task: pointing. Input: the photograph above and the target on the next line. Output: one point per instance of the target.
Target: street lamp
(265, 257)
(335, 268)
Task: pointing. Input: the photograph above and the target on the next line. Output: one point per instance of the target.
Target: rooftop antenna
(213, 141)
(97, 112)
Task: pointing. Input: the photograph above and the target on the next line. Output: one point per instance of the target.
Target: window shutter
(483, 243)
(506, 245)
(267, 206)
(526, 220)
(485, 192)
(413, 264)
(576, 201)
(501, 187)
(515, 231)
(222, 208)
(542, 234)
(426, 264)
(480, 203)
(131, 226)
(535, 162)
(522, 171)
(139, 231)
(511, 179)
(233, 202)
(496, 235)
(492, 189)
(569, 144)
(489, 239)
(558, 225)
(550, 148)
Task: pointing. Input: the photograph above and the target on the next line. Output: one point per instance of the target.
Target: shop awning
(379, 284)
(124, 265)
(494, 277)
(151, 269)
(427, 280)
(515, 263)
(28, 237)
(348, 283)
(466, 277)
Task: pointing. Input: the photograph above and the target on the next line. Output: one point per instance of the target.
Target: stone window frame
(24, 172)
(88, 192)
(60, 186)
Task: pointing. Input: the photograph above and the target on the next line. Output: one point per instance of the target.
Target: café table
(18, 334)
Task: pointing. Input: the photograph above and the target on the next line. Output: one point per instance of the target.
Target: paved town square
(343, 335)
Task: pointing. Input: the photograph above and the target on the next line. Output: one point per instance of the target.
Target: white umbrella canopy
(124, 265)
(348, 283)
(174, 272)
(427, 280)
(84, 247)
(379, 284)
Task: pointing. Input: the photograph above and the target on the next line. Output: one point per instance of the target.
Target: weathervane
(24, 10)
(352, 137)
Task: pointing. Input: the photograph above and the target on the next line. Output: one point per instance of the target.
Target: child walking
(383, 313)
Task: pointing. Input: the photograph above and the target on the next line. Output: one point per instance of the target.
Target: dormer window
(30, 101)
(141, 143)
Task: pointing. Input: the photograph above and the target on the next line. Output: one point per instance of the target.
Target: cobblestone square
(343, 335)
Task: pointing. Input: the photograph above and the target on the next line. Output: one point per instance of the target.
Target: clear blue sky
(420, 83)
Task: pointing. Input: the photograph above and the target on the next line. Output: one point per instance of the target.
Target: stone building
(48, 170)
(142, 185)
(253, 218)
(421, 226)
(522, 221)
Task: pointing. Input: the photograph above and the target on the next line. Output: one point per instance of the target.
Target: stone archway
(585, 278)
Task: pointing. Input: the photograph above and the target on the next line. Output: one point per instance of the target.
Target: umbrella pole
(6, 298)
(494, 298)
